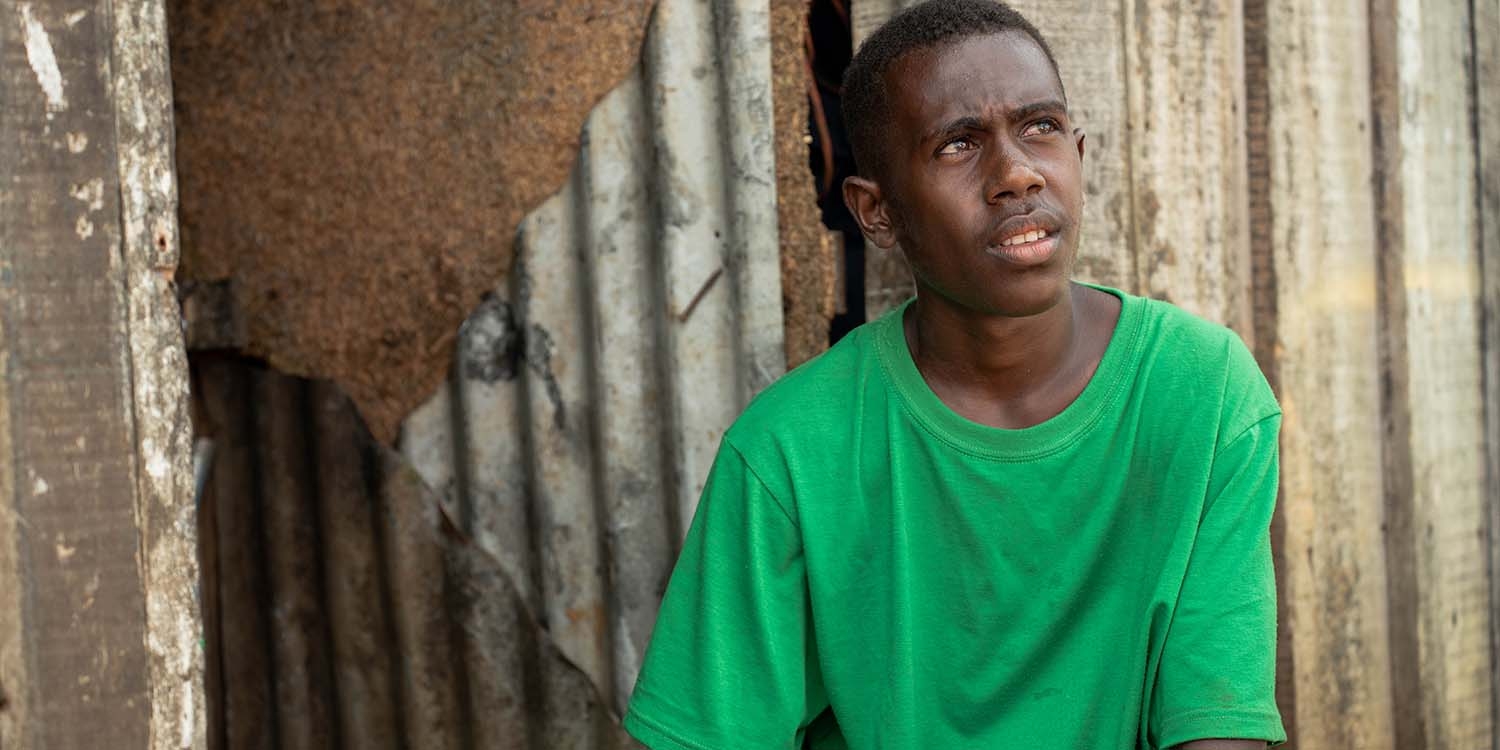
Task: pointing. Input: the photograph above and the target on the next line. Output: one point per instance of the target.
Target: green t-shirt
(868, 569)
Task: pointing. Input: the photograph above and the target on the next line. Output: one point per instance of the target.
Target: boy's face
(980, 155)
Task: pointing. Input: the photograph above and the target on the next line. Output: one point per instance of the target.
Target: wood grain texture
(1186, 121)
(1486, 91)
(1431, 293)
(74, 527)
(141, 88)
(1322, 236)
(15, 698)
(1264, 310)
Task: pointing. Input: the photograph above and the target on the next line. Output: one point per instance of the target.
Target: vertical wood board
(15, 699)
(1486, 91)
(63, 293)
(1323, 239)
(1435, 433)
(141, 85)
(1186, 124)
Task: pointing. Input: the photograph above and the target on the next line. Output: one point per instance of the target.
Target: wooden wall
(99, 624)
(1323, 177)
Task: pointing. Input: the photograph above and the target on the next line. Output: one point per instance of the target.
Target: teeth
(1022, 239)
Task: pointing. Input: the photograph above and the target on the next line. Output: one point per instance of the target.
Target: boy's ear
(870, 209)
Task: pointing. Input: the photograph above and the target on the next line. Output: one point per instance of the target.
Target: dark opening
(830, 44)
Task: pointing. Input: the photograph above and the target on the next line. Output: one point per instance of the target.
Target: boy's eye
(1045, 126)
(957, 145)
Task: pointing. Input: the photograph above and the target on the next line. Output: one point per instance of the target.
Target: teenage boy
(1017, 511)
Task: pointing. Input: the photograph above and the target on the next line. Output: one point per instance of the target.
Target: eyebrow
(971, 122)
(1035, 108)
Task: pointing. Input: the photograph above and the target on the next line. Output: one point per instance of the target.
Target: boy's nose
(1012, 176)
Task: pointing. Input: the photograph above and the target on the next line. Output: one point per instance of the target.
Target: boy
(1016, 512)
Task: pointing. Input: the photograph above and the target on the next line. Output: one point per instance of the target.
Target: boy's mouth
(1024, 237)
(1028, 249)
(1027, 239)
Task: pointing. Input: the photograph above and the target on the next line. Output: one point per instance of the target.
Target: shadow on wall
(343, 609)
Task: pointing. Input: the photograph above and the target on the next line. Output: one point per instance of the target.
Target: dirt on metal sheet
(358, 169)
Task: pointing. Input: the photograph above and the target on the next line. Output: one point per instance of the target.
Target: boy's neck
(1010, 372)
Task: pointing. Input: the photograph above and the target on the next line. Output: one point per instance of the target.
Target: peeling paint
(43, 62)
(90, 193)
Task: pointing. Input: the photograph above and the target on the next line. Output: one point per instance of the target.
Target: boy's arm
(1216, 677)
(732, 660)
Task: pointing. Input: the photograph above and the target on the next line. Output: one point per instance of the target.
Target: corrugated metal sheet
(644, 310)
(342, 610)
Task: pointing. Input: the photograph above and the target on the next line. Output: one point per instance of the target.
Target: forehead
(980, 75)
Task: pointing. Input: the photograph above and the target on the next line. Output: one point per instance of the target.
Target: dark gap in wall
(1264, 314)
(830, 45)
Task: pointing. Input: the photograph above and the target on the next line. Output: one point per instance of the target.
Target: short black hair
(923, 26)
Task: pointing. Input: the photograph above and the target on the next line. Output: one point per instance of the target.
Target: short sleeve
(1217, 676)
(731, 661)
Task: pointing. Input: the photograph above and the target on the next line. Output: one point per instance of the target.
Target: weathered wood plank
(15, 699)
(1322, 237)
(1486, 92)
(1435, 503)
(1186, 129)
(1264, 310)
(74, 531)
(1086, 39)
(140, 81)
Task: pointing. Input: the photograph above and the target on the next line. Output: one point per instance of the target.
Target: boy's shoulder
(1197, 360)
(816, 398)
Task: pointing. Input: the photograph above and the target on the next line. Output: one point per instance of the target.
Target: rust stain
(359, 173)
(713, 278)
